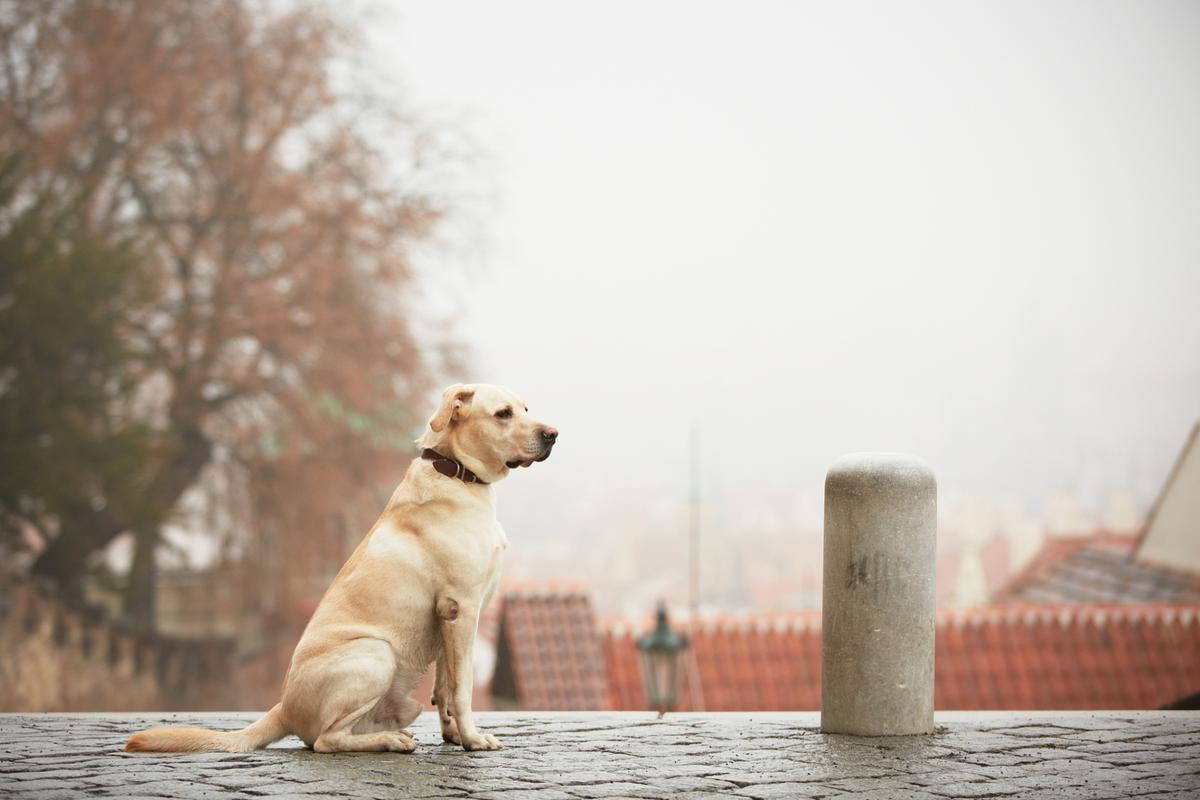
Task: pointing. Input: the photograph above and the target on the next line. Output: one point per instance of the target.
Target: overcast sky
(969, 231)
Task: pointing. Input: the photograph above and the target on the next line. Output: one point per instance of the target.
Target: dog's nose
(549, 434)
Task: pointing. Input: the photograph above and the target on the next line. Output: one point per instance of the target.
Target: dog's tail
(183, 740)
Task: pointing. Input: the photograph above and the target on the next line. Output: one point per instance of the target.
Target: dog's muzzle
(548, 437)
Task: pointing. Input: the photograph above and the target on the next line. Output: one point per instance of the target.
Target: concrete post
(878, 607)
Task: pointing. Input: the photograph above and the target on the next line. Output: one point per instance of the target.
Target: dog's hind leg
(343, 740)
(410, 709)
(355, 688)
(394, 713)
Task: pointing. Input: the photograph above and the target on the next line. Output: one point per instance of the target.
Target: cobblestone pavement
(566, 756)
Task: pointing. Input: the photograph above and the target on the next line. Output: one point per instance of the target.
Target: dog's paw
(482, 741)
(450, 731)
(400, 742)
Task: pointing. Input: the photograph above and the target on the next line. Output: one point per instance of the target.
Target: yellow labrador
(411, 594)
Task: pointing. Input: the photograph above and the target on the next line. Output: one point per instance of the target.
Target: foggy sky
(967, 231)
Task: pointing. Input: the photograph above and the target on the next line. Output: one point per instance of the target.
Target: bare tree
(276, 229)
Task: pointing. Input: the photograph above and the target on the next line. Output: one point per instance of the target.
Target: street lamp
(660, 650)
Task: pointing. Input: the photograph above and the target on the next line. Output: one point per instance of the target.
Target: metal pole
(694, 525)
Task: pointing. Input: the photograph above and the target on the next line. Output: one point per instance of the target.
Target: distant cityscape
(769, 559)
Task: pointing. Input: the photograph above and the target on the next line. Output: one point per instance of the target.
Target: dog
(410, 594)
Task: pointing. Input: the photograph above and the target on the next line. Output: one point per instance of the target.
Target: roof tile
(1098, 569)
(1008, 657)
(548, 651)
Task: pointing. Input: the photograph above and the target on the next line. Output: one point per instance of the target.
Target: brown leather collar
(450, 468)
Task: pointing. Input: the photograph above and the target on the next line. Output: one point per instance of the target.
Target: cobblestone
(573, 756)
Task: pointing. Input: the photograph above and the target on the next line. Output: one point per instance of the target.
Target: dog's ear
(456, 400)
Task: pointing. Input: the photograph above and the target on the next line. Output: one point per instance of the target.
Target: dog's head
(488, 429)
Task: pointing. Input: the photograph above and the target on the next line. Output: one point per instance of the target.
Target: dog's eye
(504, 413)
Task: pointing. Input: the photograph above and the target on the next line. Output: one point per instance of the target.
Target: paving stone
(526, 794)
(998, 772)
(1082, 793)
(767, 791)
(995, 759)
(1049, 782)
(1066, 766)
(1034, 731)
(1044, 753)
(687, 783)
(897, 794)
(40, 785)
(618, 789)
(1061, 756)
(568, 778)
(980, 789)
(1120, 747)
(943, 776)
(236, 781)
(1179, 781)
(1170, 739)
(859, 786)
(1183, 766)
(1139, 757)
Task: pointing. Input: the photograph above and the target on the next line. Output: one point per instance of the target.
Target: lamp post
(660, 650)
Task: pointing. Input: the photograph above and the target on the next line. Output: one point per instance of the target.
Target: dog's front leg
(443, 701)
(459, 621)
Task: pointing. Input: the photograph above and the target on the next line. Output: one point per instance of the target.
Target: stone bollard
(878, 606)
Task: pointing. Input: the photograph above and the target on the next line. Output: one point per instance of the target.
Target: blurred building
(1172, 535)
(1102, 568)
(59, 657)
(1158, 564)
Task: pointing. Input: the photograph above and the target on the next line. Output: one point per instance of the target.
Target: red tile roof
(734, 663)
(1008, 657)
(1067, 657)
(551, 655)
(548, 653)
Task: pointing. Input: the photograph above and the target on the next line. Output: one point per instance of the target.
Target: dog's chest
(499, 545)
(496, 545)
(484, 556)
